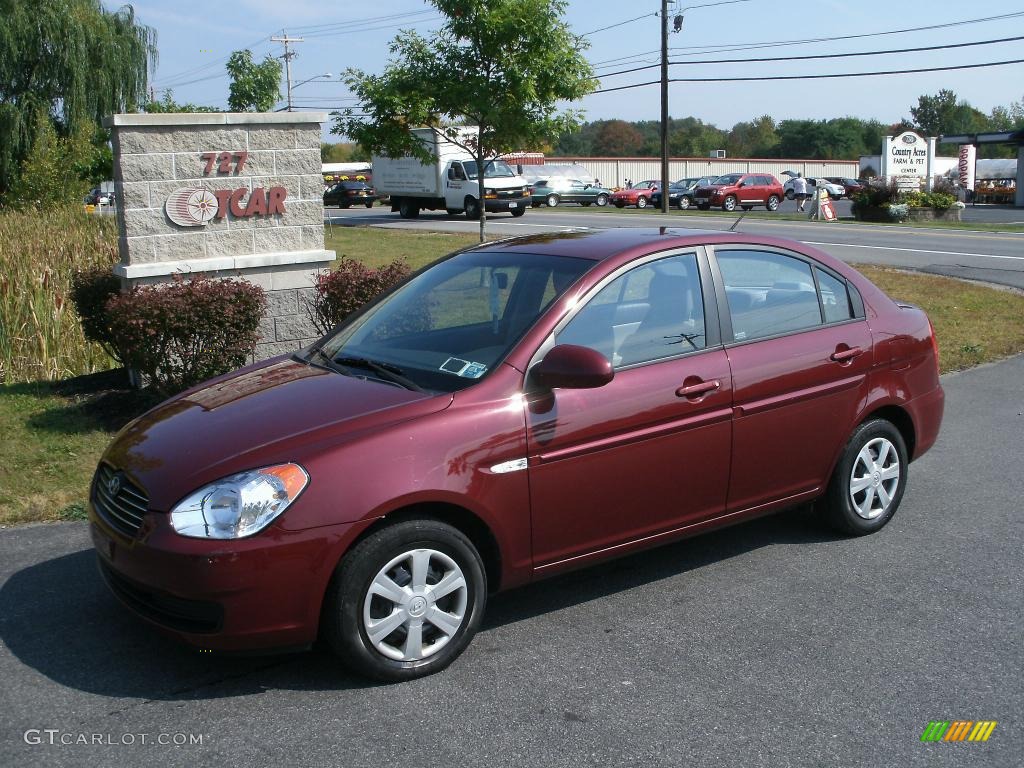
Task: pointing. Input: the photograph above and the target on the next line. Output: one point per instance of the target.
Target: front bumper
(501, 205)
(260, 593)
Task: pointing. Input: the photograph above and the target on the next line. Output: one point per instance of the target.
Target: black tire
(601, 200)
(790, 194)
(729, 204)
(641, 202)
(344, 206)
(408, 209)
(837, 505)
(773, 203)
(552, 201)
(369, 204)
(472, 206)
(683, 203)
(517, 212)
(342, 622)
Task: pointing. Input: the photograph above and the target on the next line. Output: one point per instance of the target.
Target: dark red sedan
(511, 412)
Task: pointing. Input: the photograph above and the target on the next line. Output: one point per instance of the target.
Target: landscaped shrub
(338, 294)
(181, 333)
(91, 289)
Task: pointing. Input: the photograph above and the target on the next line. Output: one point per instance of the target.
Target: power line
(812, 77)
(620, 24)
(823, 55)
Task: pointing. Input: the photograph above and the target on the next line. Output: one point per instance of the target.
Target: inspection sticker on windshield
(463, 368)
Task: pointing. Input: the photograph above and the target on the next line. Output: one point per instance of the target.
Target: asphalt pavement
(773, 643)
(989, 256)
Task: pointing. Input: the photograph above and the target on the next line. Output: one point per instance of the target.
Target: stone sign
(226, 195)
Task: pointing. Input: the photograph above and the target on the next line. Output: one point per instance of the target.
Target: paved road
(768, 644)
(995, 257)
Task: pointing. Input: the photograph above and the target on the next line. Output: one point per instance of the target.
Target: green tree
(499, 65)
(254, 87)
(55, 171)
(69, 60)
(168, 105)
(945, 113)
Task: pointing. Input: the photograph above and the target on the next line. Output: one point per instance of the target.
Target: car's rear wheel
(369, 203)
(602, 200)
(517, 212)
(406, 601)
(868, 482)
(552, 201)
(684, 202)
(641, 202)
(790, 194)
(472, 207)
(773, 203)
(729, 204)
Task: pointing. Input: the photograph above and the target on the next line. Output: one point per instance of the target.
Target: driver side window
(651, 312)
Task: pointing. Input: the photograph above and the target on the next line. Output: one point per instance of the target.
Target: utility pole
(288, 56)
(664, 106)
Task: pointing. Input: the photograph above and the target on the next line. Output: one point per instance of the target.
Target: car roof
(601, 244)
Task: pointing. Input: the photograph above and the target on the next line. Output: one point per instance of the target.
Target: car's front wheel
(684, 202)
(729, 204)
(406, 601)
(517, 212)
(641, 202)
(868, 482)
(552, 201)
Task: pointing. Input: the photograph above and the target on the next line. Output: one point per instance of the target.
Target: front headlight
(239, 505)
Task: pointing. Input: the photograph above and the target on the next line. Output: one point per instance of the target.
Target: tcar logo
(195, 207)
(191, 207)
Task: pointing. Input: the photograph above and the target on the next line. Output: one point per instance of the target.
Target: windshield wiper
(326, 361)
(385, 371)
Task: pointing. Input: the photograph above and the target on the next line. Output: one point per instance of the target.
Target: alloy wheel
(874, 478)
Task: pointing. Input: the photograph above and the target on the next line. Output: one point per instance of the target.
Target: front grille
(122, 504)
(174, 612)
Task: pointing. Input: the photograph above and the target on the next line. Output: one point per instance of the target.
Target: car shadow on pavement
(59, 619)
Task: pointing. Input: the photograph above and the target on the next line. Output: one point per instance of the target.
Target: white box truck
(450, 183)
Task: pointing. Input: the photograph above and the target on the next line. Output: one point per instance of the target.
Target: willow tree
(71, 61)
(503, 66)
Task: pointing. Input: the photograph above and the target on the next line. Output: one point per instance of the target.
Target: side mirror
(568, 366)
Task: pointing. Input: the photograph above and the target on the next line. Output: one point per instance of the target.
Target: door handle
(698, 389)
(846, 355)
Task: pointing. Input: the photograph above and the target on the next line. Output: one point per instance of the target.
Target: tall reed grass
(40, 335)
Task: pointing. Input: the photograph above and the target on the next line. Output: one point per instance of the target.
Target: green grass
(54, 432)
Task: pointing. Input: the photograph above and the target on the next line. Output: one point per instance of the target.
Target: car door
(648, 452)
(800, 352)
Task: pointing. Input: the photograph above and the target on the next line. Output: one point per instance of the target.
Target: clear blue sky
(194, 40)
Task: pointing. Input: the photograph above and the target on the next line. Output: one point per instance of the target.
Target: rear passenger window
(653, 311)
(768, 293)
(834, 299)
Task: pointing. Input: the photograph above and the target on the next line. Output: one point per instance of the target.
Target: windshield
(495, 169)
(454, 322)
(730, 179)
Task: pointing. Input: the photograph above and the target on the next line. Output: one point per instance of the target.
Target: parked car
(557, 190)
(740, 189)
(514, 411)
(851, 186)
(639, 195)
(348, 193)
(680, 193)
(834, 190)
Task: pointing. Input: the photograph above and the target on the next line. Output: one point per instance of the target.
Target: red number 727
(223, 160)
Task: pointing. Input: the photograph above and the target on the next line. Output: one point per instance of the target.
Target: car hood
(257, 416)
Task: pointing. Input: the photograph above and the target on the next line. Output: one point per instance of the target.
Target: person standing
(800, 190)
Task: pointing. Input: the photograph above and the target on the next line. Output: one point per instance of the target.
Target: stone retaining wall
(156, 156)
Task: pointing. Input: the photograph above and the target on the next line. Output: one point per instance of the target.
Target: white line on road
(913, 250)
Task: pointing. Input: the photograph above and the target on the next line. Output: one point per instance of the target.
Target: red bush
(350, 287)
(91, 289)
(181, 333)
